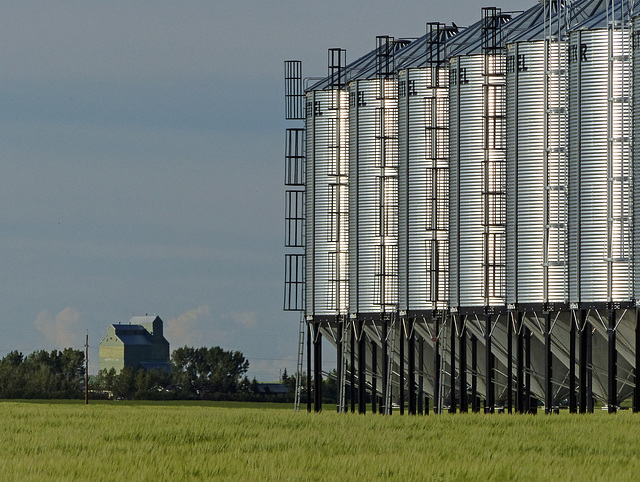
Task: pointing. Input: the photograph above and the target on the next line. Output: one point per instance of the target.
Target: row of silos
(478, 184)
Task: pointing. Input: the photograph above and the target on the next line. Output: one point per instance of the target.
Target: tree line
(42, 374)
(196, 374)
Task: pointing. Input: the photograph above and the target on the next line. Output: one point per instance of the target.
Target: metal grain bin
(327, 208)
(537, 164)
(478, 141)
(537, 174)
(423, 173)
(600, 163)
(373, 195)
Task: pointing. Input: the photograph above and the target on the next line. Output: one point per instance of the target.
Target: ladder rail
(343, 372)
(442, 336)
(301, 339)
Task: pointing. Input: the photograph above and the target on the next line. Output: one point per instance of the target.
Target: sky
(142, 163)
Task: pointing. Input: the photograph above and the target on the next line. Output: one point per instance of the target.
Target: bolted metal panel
(423, 172)
(599, 169)
(536, 173)
(327, 207)
(373, 195)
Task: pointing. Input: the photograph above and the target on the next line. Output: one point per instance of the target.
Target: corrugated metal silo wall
(423, 172)
(373, 196)
(599, 185)
(477, 205)
(636, 153)
(536, 175)
(327, 202)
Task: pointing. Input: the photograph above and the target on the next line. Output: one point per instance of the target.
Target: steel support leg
(572, 366)
(464, 404)
(436, 369)
(636, 390)
(352, 373)
(339, 360)
(520, 365)
(527, 378)
(509, 364)
(584, 328)
(317, 370)
(385, 365)
(374, 375)
(475, 406)
(362, 379)
(590, 406)
(402, 366)
(613, 364)
(488, 408)
(452, 362)
(411, 375)
(309, 358)
(548, 384)
(421, 376)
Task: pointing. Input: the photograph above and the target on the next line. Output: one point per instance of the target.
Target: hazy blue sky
(141, 147)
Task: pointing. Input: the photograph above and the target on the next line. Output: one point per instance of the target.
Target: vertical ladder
(443, 343)
(300, 363)
(619, 171)
(494, 160)
(555, 150)
(343, 372)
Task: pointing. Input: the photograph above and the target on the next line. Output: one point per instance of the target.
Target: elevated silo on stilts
(601, 282)
(327, 235)
(327, 218)
(537, 204)
(373, 204)
(469, 222)
(423, 208)
(477, 172)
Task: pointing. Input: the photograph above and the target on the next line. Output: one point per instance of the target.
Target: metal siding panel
(467, 154)
(636, 159)
(454, 192)
(327, 203)
(373, 198)
(600, 192)
(536, 260)
(404, 111)
(424, 181)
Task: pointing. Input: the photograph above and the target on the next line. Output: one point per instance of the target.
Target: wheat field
(195, 441)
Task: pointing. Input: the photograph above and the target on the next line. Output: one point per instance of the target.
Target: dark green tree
(203, 372)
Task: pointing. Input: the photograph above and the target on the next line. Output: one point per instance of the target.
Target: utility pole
(86, 369)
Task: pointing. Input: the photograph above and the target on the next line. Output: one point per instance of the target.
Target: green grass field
(165, 441)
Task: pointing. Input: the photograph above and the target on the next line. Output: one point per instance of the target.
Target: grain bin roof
(577, 13)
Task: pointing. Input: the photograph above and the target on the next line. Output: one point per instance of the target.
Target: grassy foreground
(116, 441)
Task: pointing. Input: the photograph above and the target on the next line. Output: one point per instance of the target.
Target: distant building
(138, 344)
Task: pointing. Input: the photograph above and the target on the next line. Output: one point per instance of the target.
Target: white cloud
(62, 330)
(248, 319)
(183, 330)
